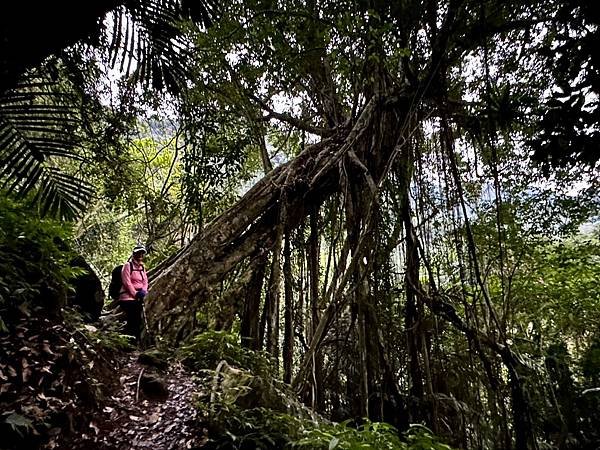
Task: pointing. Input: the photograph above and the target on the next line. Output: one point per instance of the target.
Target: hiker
(134, 287)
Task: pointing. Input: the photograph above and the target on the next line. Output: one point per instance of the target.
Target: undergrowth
(54, 374)
(232, 427)
(34, 261)
(246, 407)
(206, 350)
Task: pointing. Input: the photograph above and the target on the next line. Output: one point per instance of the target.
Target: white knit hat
(139, 248)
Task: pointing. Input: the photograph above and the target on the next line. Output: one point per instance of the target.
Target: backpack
(114, 288)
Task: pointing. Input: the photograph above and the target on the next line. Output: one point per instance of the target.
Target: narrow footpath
(153, 410)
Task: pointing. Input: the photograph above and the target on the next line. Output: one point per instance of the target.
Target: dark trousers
(133, 312)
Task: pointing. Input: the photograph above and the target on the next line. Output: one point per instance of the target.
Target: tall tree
(382, 90)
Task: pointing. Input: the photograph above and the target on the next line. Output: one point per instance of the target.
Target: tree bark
(272, 299)
(249, 330)
(314, 274)
(190, 277)
(412, 319)
(288, 333)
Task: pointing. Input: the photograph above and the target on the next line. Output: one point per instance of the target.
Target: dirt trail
(125, 423)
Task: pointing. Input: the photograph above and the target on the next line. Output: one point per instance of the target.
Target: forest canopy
(397, 201)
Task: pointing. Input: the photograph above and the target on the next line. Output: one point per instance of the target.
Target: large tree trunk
(187, 280)
(249, 329)
(254, 225)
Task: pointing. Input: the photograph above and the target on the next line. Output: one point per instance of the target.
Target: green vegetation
(34, 260)
(262, 428)
(374, 223)
(206, 350)
(248, 408)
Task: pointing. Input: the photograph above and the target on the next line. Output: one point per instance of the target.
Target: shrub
(368, 436)
(264, 428)
(34, 260)
(206, 350)
(246, 407)
(249, 408)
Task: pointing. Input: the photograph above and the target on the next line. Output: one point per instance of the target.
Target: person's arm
(145, 280)
(126, 280)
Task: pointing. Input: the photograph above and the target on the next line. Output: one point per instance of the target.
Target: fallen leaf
(46, 348)
(26, 374)
(91, 328)
(34, 411)
(18, 421)
(94, 427)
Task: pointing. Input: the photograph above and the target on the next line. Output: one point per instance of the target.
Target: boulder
(153, 387)
(153, 358)
(88, 295)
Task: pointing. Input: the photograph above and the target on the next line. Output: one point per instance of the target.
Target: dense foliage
(248, 409)
(34, 260)
(397, 202)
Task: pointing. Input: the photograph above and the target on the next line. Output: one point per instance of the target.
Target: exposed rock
(153, 358)
(89, 295)
(154, 387)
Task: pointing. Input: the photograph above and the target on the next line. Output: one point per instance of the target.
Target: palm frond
(38, 123)
(40, 118)
(147, 43)
(61, 194)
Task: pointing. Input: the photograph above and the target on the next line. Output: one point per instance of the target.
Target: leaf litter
(124, 423)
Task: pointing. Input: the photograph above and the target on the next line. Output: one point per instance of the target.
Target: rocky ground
(152, 409)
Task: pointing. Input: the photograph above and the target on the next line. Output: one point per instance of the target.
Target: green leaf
(333, 443)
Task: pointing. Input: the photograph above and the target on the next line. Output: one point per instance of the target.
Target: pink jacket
(132, 280)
